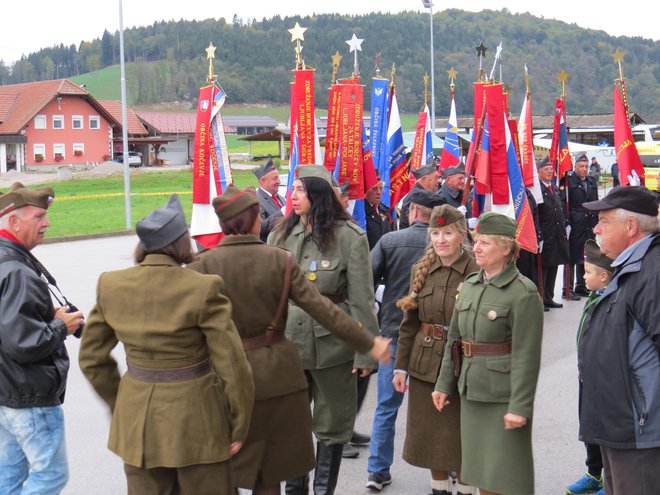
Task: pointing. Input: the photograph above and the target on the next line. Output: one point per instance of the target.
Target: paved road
(95, 471)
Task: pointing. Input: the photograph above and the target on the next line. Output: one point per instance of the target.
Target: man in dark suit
(378, 217)
(581, 188)
(270, 203)
(553, 229)
(452, 187)
(428, 178)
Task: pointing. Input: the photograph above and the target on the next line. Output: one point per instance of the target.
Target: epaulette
(529, 285)
(355, 227)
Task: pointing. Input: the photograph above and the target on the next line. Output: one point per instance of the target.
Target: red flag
(302, 107)
(627, 156)
(479, 97)
(351, 160)
(559, 153)
(334, 125)
(497, 137)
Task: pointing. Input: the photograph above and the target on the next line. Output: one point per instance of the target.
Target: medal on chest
(312, 271)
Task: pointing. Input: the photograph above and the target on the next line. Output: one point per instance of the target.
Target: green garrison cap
(234, 201)
(19, 196)
(491, 223)
(444, 215)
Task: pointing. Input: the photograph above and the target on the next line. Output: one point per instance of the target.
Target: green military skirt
(495, 459)
(279, 445)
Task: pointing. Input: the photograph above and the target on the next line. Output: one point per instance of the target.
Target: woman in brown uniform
(259, 280)
(182, 409)
(433, 440)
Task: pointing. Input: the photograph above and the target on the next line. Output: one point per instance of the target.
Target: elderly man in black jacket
(581, 189)
(33, 358)
(553, 229)
(391, 260)
(619, 358)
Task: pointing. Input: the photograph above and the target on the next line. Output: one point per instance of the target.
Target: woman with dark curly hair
(334, 255)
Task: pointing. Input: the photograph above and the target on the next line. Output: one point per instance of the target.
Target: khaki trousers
(198, 479)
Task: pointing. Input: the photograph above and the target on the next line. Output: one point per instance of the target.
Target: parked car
(134, 158)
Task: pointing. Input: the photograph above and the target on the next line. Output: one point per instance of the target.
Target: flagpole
(124, 121)
(618, 58)
(568, 275)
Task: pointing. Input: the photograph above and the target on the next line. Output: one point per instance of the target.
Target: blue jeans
(382, 437)
(32, 451)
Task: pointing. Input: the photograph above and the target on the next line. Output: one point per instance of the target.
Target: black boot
(297, 486)
(328, 460)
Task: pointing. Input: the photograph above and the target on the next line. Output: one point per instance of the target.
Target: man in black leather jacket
(33, 358)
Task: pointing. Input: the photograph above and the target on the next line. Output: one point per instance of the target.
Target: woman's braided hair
(421, 274)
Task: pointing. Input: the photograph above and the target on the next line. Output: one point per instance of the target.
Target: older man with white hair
(619, 360)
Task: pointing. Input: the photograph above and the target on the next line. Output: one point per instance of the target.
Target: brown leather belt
(471, 349)
(438, 332)
(269, 338)
(169, 375)
(336, 298)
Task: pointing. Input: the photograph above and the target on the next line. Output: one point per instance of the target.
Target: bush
(77, 153)
(39, 157)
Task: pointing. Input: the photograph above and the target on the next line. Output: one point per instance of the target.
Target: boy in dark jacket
(597, 274)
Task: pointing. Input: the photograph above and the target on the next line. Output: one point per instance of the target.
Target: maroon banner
(302, 97)
(350, 162)
(333, 129)
(499, 173)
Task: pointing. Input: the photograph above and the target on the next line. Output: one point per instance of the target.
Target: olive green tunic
(432, 438)
(344, 273)
(279, 444)
(168, 317)
(506, 308)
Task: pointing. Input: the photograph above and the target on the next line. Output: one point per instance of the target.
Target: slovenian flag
(396, 178)
(293, 164)
(451, 151)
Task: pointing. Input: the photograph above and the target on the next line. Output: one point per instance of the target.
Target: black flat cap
(429, 199)
(637, 199)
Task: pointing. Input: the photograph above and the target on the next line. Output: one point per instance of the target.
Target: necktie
(277, 201)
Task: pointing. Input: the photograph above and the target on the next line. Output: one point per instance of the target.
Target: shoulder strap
(284, 297)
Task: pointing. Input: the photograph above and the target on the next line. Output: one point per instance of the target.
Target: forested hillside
(166, 62)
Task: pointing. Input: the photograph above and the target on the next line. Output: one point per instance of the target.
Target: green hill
(166, 61)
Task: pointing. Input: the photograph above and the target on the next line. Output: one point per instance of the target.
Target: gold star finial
(210, 51)
(297, 33)
(336, 59)
(452, 73)
(563, 76)
(618, 56)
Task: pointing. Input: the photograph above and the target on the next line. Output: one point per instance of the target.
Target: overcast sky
(30, 25)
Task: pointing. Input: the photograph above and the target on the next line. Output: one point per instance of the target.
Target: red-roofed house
(52, 122)
(178, 128)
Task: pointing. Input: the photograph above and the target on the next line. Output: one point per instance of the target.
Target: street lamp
(429, 5)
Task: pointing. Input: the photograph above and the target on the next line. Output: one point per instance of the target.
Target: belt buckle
(437, 329)
(467, 348)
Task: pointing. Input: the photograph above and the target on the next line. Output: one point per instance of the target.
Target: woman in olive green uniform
(183, 407)
(497, 326)
(279, 443)
(432, 439)
(334, 255)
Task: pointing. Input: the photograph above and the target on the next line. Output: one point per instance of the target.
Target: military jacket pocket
(492, 323)
(462, 309)
(326, 274)
(499, 376)
(426, 357)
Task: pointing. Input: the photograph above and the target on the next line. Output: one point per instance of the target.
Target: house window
(40, 122)
(77, 122)
(78, 149)
(94, 122)
(58, 121)
(39, 152)
(59, 151)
